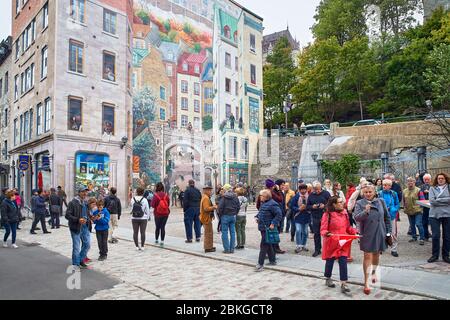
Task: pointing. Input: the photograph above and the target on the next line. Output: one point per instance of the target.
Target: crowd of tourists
(368, 212)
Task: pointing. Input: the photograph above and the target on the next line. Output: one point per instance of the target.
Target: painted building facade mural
(190, 75)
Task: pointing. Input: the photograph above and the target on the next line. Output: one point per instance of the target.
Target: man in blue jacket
(391, 199)
(40, 210)
(316, 204)
(191, 206)
(269, 216)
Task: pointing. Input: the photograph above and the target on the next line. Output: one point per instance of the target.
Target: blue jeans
(10, 228)
(343, 272)
(228, 224)
(192, 216)
(301, 234)
(416, 221)
(80, 245)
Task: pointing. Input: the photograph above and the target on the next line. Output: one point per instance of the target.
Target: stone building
(72, 95)
(270, 41)
(5, 108)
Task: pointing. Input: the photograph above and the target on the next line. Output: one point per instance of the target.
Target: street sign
(45, 162)
(24, 162)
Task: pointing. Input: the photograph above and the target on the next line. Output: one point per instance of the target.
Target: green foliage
(343, 170)
(187, 28)
(279, 77)
(144, 17)
(207, 123)
(197, 48)
(144, 146)
(342, 19)
(144, 108)
(437, 76)
(167, 26)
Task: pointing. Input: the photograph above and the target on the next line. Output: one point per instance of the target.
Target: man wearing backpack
(161, 206)
(114, 206)
(191, 206)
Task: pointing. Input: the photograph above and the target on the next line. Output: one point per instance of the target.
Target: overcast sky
(276, 13)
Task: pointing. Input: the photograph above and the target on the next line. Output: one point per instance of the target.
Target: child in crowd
(101, 218)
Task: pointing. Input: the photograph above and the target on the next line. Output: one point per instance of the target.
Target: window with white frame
(197, 88)
(109, 21)
(47, 114)
(253, 73)
(228, 60)
(109, 66)
(244, 149)
(228, 85)
(236, 63)
(197, 123)
(26, 126)
(76, 56)
(45, 16)
(30, 131)
(184, 86)
(233, 148)
(228, 110)
(16, 87)
(44, 62)
(169, 69)
(185, 67)
(162, 93)
(184, 121)
(184, 104)
(21, 129)
(252, 43)
(196, 105)
(16, 133)
(236, 88)
(17, 49)
(78, 10)
(197, 68)
(162, 114)
(39, 130)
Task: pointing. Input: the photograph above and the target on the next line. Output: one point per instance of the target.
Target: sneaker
(161, 244)
(259, 268)
(32, 232)
(83, 265)
(421, 242)
(142, 248)
(316, 254)
(412, 240)
(138, 249)
(345, 289)
(330, 284)
(298, 250)
(188, 241)
(156, 242)
(433, 259)
(14, 246)
(5, 244)
(273, 263)
(394, 254)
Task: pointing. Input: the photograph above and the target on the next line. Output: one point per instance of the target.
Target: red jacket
(155, 202)
(339, 224)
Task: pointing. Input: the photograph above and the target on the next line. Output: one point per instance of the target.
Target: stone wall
(290, 149)
(414, 128)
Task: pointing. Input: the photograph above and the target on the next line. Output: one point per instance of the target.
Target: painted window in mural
(162, 93)
(254, 114)
(184, 104)
(228, 60)
(197, 123)
(76, 56)
(108, 119)
(109, 21)
(109, 66)
(252, 43)
(92, 171)
(196, 105)
(233, 147)
(184, 121)
(78, 10)
(162, 114)
(184, 86)
(244, 149)
(208, 108)
(228, 85)
(75, 115)
(253, 73)
(197, 89)
(228, 110)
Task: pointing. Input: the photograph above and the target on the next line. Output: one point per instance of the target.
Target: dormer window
(197, 68)
(185, 67)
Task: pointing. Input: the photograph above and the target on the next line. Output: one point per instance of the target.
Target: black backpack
(138, 211)
(112, 206)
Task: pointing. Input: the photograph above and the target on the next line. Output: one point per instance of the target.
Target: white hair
(387, 181)
(427, 176)
(316, 184)
(362, 180)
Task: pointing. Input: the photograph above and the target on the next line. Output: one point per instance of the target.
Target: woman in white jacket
(139, 217)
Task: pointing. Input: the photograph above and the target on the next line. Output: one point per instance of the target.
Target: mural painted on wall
(92, 171)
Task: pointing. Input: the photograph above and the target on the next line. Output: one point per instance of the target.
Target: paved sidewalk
(399, 279)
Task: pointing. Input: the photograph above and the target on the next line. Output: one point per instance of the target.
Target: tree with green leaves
(343, 170)
(207, 122)
(144, 109)
(279, 77)
(342, 19)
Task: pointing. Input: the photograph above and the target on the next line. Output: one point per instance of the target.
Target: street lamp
(385, 162)
(288, 105)
(422, 159)
(315, 157)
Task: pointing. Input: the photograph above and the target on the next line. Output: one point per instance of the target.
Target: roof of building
(192, 59)
(170, 51)
(226, 19)
(139, 55)
(5, 49)
(272, 39)
(246, 10)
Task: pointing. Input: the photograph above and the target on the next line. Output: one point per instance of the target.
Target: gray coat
(373, 226)
(440, 203)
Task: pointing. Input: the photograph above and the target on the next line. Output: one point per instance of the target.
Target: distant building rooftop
(271, 40)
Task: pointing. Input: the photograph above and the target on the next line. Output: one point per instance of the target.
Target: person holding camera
(77, 214)
(316, 204)
(375, 228)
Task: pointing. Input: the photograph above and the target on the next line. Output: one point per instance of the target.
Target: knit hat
(227, 187)
(279, 182)
(270, 184)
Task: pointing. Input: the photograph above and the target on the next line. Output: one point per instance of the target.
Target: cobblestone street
(164, 274)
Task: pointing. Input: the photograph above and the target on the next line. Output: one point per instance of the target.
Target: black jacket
(73, 215)
(114, 201)
(315, 198)
(192, 198)
(229, 205)
(10, 213)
